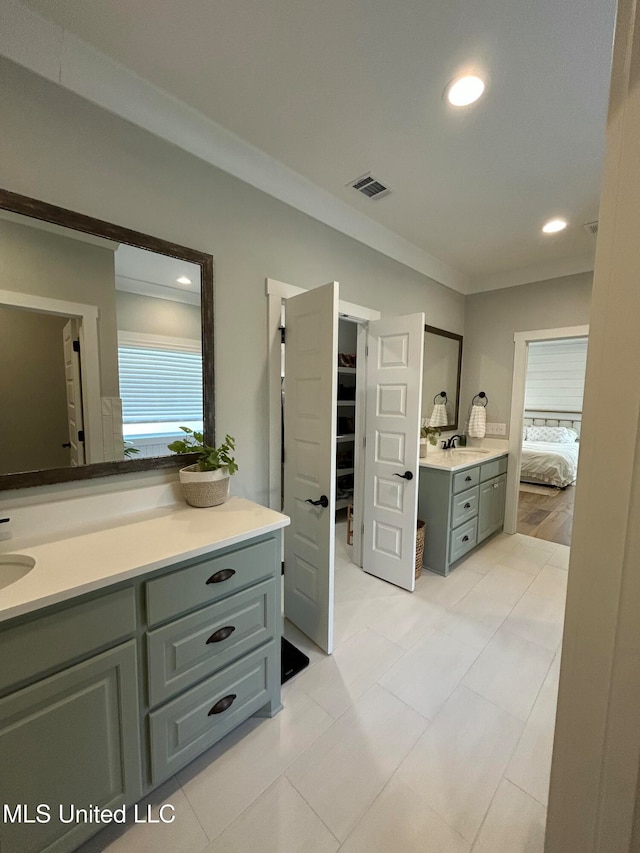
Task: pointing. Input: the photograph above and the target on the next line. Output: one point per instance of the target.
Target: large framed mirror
(106, 346)
(441, 377)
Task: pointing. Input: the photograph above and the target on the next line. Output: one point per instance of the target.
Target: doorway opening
(546, 419)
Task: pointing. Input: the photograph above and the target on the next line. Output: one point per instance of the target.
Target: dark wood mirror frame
(79, 222)
(444, 334)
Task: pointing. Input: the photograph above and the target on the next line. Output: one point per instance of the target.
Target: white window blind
(159, 386)
(555, 375)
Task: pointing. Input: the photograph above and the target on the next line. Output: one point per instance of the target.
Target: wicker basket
(201, 490)
(422, 527)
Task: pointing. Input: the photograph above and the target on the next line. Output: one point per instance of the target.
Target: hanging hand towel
(439, 416)
(477, 422)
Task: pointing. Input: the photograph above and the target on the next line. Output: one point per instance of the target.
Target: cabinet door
(486, 510)
(69, 740)
(491, 510)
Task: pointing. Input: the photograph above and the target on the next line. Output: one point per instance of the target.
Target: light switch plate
(496, 429)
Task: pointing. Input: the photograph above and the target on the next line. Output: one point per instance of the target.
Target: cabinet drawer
(489, 470)
(184, 727)
(464, 506)
(465, 479)
(183, 652)
(462, 539)
(209, 579)
(49, 642)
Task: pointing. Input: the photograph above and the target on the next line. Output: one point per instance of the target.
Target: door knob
(323, 502)
(406, 476)
(66, 444)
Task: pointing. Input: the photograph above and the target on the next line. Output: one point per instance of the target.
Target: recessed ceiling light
(465, 90)
(554, 225)
(183, 280)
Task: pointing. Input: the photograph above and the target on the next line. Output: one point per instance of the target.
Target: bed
(549, 455)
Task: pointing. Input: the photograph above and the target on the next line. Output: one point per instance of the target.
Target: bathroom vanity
(127, 652)
(461, 498)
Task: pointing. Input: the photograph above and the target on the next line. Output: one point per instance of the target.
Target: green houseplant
(206, 481)
(428, 434)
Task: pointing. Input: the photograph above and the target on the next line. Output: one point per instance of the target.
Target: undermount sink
(13, 567)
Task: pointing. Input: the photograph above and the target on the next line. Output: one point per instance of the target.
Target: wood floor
(547, 513)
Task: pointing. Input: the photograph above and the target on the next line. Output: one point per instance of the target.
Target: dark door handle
(467, 479)
(222, 704)
(465, 538)
(406, 476)
(323, 502)
(467, 506)
(222, 575)
(221, 634)
(66, 444)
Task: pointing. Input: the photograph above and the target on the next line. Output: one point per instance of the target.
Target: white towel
(477, 422)
(439, 417)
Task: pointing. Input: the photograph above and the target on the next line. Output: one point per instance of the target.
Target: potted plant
(205, 482)
(428, 434)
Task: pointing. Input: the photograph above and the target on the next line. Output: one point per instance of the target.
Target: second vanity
(461, 498)
(126, 653)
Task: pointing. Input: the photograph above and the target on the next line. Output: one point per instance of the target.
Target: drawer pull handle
(496, 485)
(467, 479)
(222, 704)
(467, 506)
(221, 634)
(465, 538)
(222, 575)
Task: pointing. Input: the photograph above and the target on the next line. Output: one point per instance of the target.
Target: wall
(33, 410)
(59, 148)
(42, 263)
(151, 316)
(555, 375)
(491, 318)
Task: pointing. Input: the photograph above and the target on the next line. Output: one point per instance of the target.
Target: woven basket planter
(204, 488)
(420, 547)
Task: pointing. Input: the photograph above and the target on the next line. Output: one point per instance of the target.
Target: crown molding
(535, 273)
(56, 54)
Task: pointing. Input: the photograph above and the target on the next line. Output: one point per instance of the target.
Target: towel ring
(441, 394)
(481, 396)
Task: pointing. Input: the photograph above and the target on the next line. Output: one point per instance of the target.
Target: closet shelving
(346, 413)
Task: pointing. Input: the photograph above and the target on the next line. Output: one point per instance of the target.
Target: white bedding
(552, 463)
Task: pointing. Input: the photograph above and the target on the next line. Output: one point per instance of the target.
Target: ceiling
(336, 89)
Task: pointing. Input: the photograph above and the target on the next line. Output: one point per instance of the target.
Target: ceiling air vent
(370, 187)
(591, 227)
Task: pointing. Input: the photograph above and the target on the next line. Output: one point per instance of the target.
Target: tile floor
(429, 729)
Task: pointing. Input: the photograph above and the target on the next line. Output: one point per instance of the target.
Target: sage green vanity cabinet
(107, 695)
(461, 509)
(72, 737)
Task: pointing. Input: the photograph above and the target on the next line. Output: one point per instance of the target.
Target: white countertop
(129, 548)
(461, 457)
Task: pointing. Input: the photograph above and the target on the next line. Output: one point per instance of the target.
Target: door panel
(394, 391)
(73, 384)
(311, 358)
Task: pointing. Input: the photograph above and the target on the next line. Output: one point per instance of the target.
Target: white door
(311, 360)
(394, 400)
(70, 333)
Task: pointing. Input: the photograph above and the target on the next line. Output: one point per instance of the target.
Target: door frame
(276, 292)
(89, 356)
(520, 360)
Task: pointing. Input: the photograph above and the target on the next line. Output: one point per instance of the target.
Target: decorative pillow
(553, 435)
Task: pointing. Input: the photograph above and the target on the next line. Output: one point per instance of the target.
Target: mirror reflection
(100, 347)
(441, 378)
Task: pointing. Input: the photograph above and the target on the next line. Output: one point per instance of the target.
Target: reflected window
(160, 389)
